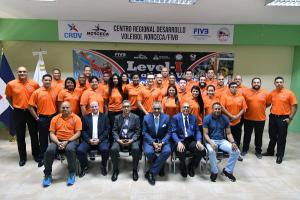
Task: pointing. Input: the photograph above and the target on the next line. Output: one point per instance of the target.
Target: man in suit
(187, 137)
(126, 133)
(95, 136)
(156, 140)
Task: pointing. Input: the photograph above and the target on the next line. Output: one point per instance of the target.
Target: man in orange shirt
(159, 84)
(202, 84)
(81, 84)
(57, 82)
(211, 78)
(44, 100)
(64, 130)
(283, 110)
(220, 88)
(234, 106)
(183, 95)
(189, 80)
(240, 87)
(18, 93)
(255, 116)
(165, 76)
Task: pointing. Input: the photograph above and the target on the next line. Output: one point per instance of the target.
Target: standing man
(255, 116)
(202, 84)
(187, 137)
(183, 94)
(211, 78)
(42, 106)
(165, 76)
(57, 83)
(220, 88)
(156, 140)
(283, 110)
(189, 80)
(18, 93)
(240, 87)
(64, 130)
(214, 126)
(95, 136)
(126, 133)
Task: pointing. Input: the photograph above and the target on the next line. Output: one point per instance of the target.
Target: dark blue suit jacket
(177, 128)
(163, 133)
(103, 127)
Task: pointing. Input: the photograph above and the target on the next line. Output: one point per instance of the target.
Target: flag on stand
(6, 75)
(40, 69)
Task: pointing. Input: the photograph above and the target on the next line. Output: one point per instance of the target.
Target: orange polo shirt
(195, 110)
(114, 100)
(190, 84)
(44, 100)
(184, 97)
(89, 96)
(87, 83)
(20, 92)
(220, 91)
(133, 91)
(103, 87)
(79, 90)
(241, 89)
(148, 97)
(213, 82)
(169, 106)
(233, 104)
(65, 128)
(58, 85)
(72, 97)
(208, 102)
(257, 103)
(165, 82)
(282, 101)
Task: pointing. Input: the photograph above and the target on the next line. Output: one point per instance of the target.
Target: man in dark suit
(187, 136)
(156, 140)
(126, 133)
(95, 136)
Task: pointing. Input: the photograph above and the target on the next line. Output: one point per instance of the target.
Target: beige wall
(264, 61)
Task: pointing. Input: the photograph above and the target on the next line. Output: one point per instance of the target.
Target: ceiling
(204, 11)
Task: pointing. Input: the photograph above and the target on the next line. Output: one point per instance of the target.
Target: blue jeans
(223, 145)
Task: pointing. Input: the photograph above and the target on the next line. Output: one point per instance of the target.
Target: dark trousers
(258, 127)
(236, 131)
(133, 148)
(157, 162)
(111, 117)
(51, 152)
(190, 145)
(43, 127)
(84, 148)
(21, 118)
(277, 134)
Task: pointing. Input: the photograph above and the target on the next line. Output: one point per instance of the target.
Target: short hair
(232, 83)
(126, 101)
(216, 103)
(70, 79)
(278, 77)
(56, 68)
(136, 73)
(211, 86)
(255, 78)
(86, 67)
(183, 79)
(188, 71)
(93, 77)
(156, 103)
(47, 75)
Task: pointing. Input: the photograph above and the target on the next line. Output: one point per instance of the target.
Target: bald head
(22, 73)
(95, 107)
(65, 109)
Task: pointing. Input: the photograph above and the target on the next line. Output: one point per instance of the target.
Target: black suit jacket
(133, 127)
(103, 127)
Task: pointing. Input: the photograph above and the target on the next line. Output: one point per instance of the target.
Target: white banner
(145, 33)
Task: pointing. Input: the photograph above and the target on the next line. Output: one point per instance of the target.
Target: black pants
(111, 117)
(258, 127)
(43, 127)
(190, 145)
(236, 131)
(135, 152)
(277, 134)
(21, 118)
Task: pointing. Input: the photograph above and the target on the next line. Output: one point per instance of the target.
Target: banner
(112, 61)
(145, 33)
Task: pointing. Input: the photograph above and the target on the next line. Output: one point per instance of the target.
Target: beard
(202, 85)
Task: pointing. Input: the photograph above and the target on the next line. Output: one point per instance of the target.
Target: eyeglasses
(186, 107)
(156, 108)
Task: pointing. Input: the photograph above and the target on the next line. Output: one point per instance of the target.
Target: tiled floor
(256, 179)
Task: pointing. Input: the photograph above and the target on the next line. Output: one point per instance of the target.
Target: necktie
(186, 125)
(156, 122)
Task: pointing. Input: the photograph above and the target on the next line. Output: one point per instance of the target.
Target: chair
(157, 154)
(61, 156)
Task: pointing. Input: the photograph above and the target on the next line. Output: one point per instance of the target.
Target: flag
(40, 69)
(6, 110)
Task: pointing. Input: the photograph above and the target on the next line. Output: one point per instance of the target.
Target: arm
(32, 112)
(83, 110)
(104, 136)
(75, 136)
(173, 131)
(137, 131)
(147, 136)
(115, 130)
(208, 140)
(9, 99)
(230, 138)
(294, 109)
(54, 138)
(167, 137)
(85, 135)
(141, 107)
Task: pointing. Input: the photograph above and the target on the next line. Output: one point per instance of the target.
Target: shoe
(161, 172)
(71, 179)
(103, 171)
(183, 172)
(36, 159)
(213, 177)
(279, 160)
(83, 171)
(135, 175)
(22, 163)
(41, 163)
(47, 181)
(150, 178)
(243, 153)
(228, 175)
(258, 155)
(114, 176)
(240, 158)
(92, 156)
(267, 154)
(191, 170)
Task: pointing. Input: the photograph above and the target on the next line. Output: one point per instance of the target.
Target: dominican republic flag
(6, 75)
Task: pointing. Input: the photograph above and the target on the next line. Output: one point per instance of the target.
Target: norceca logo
(97, 32)
(73, 32)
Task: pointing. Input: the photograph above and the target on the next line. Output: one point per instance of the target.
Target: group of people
(112, 115)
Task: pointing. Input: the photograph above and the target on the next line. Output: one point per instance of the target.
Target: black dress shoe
(22, 163)
(83, 172)
(191, 170)
(279, 160)
(37, 159)
(114, 176)
(213, 177)
(267, 154)
(258, 155)
(161, 172)
(41, 163)
(103, 171)
(228, 175)
(135, 175)
(151, 178)
(183, 173)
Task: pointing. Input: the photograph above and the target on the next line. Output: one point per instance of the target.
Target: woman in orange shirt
(170, 102)
(209, 99)
(197, 105)
(125, 80)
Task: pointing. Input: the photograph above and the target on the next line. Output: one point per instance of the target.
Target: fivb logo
(3, 101)
(200, 31)
(73, 32)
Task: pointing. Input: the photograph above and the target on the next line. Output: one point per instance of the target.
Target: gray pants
(70, 152)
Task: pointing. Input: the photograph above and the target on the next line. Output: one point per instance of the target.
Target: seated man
(95, 136)
(187, 137)
(214, 125)
(126, 133)
(156, 140)
(65, 129)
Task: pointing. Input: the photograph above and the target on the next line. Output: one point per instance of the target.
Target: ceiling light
(176, 2)
(282, 2)
(46, 0)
